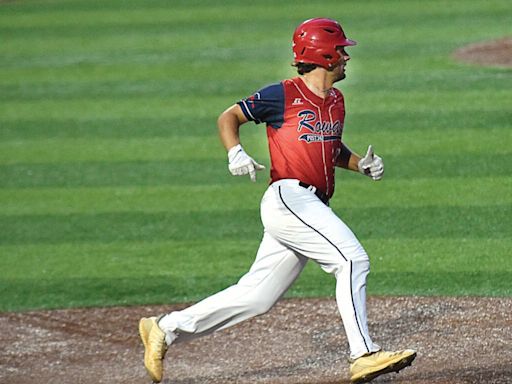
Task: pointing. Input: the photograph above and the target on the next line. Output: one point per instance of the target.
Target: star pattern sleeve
(265, 106)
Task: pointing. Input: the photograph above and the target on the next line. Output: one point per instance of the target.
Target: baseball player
(304, 119)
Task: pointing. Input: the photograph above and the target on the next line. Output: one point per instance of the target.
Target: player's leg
(319, 234)
(272, 273)
(274, 270)
(309, 227)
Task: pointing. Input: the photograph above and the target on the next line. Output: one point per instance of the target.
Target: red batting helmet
(315, 41)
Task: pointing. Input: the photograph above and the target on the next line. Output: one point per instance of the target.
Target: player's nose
(344, 56)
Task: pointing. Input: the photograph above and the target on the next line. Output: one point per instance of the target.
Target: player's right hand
(240, 163)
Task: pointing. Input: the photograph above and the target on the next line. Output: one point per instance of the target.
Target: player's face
(338, 71)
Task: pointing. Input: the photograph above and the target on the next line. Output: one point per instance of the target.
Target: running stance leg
(312, 229)
(272, 273)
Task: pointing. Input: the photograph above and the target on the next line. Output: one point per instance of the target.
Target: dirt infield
(497, 53)
(459, 340)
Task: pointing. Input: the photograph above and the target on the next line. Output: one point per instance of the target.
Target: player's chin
(340, 77)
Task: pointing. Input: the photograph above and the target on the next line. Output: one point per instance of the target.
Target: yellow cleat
(368, 367)
(155, 347)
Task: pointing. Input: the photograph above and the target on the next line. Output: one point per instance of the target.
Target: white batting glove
(240, 163)
(371, 165)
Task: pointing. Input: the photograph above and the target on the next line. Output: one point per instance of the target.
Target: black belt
(322, 196)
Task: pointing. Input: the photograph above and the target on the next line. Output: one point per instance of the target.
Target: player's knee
(357, 264)
(357, 259)
(361, 265)
(261, 305)
(357, 254)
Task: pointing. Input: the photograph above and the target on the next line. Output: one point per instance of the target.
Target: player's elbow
(228, 124)
(233, 116)
(226, 120)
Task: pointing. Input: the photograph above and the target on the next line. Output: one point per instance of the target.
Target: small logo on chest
(297, 101)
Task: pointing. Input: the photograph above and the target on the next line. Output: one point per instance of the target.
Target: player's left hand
(371, 165)
(240, 163)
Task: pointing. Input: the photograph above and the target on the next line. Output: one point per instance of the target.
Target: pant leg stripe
(355, 312)
(309, 226)
(344, 258)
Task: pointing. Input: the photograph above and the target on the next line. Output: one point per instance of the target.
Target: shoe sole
(394, 367)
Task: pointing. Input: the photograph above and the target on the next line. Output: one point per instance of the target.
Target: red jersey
(304, 131)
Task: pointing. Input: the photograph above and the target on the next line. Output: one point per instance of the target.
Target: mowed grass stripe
(137, 106)
(124, 259)
(130, 226)
(204, 172)
(105, 21)
(126, 81)
(313, 282)
(155, 8)
(67, 272)
(59, 151)
(27, 129)
(134, 173)
(376, 222)
(466, 141)
(100, 292)
(191, 124)
(447, 265)
(110, 108)
(166, 87)
(151, 199)
(482, 191)
(124, 30)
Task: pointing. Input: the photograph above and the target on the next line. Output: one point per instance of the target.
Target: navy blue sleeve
(266, 105)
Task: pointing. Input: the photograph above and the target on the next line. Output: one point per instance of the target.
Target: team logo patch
(317, 130)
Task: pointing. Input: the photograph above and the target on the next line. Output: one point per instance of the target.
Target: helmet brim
(348, 43)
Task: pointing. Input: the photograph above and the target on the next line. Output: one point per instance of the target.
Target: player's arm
(370, 165)
(348, 159)
(240, 163)
(229, 123)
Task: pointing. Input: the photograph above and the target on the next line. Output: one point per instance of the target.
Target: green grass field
(114, 187)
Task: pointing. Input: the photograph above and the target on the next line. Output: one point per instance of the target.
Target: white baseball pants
(297, 227)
